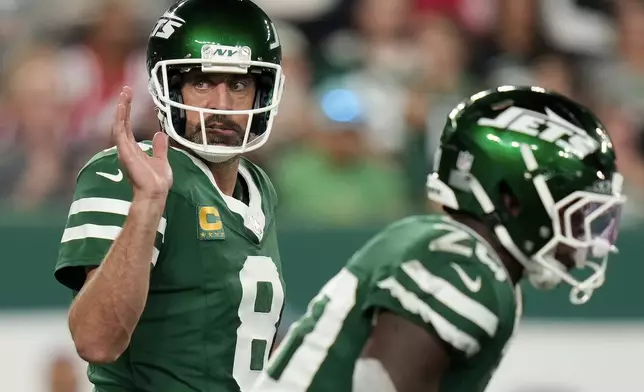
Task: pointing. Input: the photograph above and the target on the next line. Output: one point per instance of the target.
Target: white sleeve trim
(370, 375)
(99, 232)
(108, 206)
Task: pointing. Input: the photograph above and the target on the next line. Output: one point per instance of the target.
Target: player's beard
(219, 121)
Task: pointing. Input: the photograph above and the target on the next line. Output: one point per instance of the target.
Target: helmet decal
(228, 37)
(549, 127)
(554, 158)
(167, 25)
(275, 41)
(226, 59)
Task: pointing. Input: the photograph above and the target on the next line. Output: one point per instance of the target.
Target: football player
(170, 246)
(528, 182)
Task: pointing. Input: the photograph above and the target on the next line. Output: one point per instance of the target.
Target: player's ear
(510, 201)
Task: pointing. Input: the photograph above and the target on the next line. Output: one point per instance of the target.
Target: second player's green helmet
(551, 155)
(222, 36)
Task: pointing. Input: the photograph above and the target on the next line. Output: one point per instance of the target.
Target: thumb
(160, 145)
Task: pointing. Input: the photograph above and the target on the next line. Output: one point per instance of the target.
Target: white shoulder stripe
(100, 204)
(451, 297)
(98, 232)
(109, 206)
(90, 231)
(446, 330)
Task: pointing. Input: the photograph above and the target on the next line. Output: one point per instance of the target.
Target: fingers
(126, 93)
(124, 146)
(122, 116)
(160, 145)
(121, 130)
(118, 128)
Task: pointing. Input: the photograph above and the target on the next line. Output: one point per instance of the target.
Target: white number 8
(258, 326)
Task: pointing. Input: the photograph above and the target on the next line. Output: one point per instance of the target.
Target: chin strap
(215, 158)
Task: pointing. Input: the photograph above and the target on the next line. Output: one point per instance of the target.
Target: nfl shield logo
(464, 161)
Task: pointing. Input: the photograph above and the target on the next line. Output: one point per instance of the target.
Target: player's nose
(220, 98)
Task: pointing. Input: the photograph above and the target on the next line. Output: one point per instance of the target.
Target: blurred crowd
(369, 85)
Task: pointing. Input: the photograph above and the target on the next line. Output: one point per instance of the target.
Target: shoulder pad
(109, 156)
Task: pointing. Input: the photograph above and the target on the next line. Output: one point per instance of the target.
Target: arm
(107, 309)
(430, 321)
(112, 298)
(403, 352)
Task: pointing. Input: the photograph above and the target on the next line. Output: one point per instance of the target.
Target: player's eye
(202, 84)
(238, 85)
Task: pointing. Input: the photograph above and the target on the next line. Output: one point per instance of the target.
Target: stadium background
(369, 83)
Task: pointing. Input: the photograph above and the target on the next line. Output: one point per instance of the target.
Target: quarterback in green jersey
(170, 245)
(529, 185)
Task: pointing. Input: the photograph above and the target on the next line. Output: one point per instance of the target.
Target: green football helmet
(555, 158)
(222, 36)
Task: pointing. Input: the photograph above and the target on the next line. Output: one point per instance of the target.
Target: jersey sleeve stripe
(446, 330)
(99, 232)
(451, 297)
(109, 206)
(90, 231)
(100, 204)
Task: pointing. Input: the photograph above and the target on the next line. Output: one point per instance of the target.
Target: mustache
(221, 121)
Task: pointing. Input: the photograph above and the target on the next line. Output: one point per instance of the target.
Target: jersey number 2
(259, 312)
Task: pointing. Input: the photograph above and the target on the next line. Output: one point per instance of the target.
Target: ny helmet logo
(209, 51)
(166, 26)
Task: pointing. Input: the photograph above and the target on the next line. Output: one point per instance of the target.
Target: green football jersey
(430, 270)
(216, 288)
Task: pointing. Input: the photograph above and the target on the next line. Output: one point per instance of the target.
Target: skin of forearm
(108, 308)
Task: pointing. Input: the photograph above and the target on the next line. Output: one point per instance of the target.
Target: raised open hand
(150, 176)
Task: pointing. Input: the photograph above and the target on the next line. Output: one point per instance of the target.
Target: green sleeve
(101, 203)
(451, 296)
